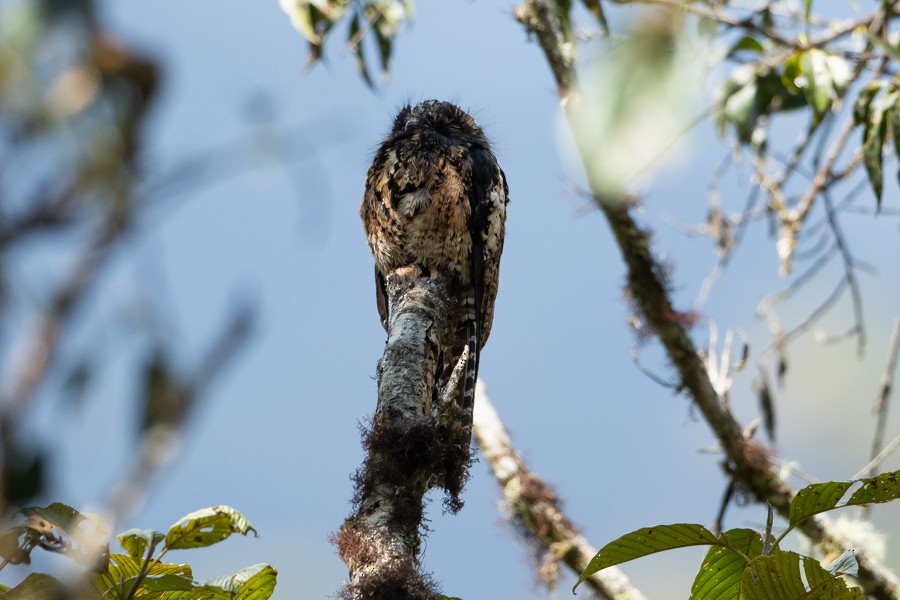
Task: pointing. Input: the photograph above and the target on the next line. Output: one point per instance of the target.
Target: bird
(436, 198)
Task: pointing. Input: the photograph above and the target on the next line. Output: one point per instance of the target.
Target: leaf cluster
(378, 19)
(742, 563)
(139, 572)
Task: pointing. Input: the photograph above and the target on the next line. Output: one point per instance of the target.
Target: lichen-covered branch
(412, 446)
(746, 461)
(536, 510)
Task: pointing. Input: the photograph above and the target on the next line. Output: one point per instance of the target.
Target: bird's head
(436, 117)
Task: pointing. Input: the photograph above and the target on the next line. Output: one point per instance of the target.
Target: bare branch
(535, 508)
(881, 405)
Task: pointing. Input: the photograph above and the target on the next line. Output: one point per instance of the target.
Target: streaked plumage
(436, 197)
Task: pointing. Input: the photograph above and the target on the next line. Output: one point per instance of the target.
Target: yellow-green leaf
(649, 540)
(820, 497)
(206, 527)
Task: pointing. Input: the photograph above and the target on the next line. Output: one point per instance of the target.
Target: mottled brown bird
(436, 197)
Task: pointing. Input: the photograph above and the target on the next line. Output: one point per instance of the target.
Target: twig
(884, 394)
(535, 508)
(871, 467)
(720, 17)
(849, 275)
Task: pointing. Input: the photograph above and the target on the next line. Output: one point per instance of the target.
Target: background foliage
(248, 177)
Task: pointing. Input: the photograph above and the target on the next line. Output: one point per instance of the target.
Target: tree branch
(412, 446)
(535, 509)
(747, 462)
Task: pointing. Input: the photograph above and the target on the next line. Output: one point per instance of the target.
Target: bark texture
(411, 447)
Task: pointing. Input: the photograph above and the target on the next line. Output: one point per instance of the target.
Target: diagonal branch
(747, 462)
(535, 508)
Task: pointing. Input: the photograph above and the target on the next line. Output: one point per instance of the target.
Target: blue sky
(277, 436)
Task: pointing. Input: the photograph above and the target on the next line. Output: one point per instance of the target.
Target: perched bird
(436, 198)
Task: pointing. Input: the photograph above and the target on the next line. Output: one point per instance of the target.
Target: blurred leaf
(385, 45)
(315, 19)
(136, 541)
(814, 68)
(300, 13)
(816, 74)
(820, 497)
(165, 402)
(37, 586)
(862, 106)
(874, 130)
(649, 540)
(25, 474)
(890, 51)
(807, 7)
(62, 529)
(719, 577)
(789, 575)
(354, 41)
(207, 526)
(747, 98)
(766, 403)
(14, 548)
(747, 43)
(840, 72)
(893, 120)
(595, 8)
(77, 380)
(792, 72)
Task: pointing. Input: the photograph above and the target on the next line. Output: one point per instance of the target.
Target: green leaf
(862, 106)
(153, 584)
(840, 72)
(747, 43)
(135, 541)
(791, 76)
(877, 490)
(207, 526)
(253, 583)
(893, 120)
(807, 7)
(649, 540)
(37, 586)
(833, 589)
(719, 577)
(786, 575)
(123, 568)
(816, 498)
(355, 42)
(300, 13)
(817, 81)
(874, 133)
(820, 497)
